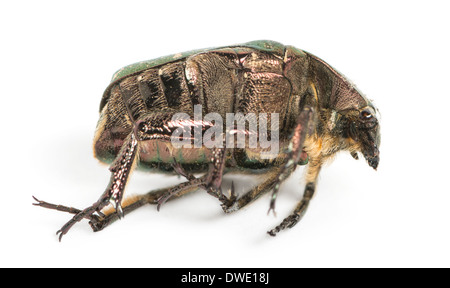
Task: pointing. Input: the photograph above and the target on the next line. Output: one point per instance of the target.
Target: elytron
(320, 112)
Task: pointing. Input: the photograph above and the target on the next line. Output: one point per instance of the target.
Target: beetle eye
(366, 114)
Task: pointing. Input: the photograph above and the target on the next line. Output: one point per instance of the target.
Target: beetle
(319, 112)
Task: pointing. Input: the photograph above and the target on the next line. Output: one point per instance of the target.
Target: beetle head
(365, 130)
(360, 129)
(353, 117)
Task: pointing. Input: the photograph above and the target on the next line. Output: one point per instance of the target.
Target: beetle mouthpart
(354, 155)
(373, 160)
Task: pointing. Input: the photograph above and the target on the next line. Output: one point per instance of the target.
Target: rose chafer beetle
(319, 112)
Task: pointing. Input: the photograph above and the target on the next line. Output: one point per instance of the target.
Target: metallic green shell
(261, 45)
(144, 65)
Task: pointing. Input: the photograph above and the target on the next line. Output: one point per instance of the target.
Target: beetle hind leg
(63, 208)
(120, 170)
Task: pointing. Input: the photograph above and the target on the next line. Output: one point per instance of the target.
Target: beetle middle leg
(211, 181)
(193, 183)
(233, 203)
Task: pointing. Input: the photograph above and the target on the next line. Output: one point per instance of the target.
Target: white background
(57, 58)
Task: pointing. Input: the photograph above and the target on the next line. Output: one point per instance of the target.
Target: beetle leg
(228, 203)
(295, 151)
(108, 216)
(132, 203)
(233, 203)
(214, 191)
(298, 213)
(120, 170)
(311, 178)
(194, 183)
(180, 171)
(63, 208)
(111, 215)
(214, 176)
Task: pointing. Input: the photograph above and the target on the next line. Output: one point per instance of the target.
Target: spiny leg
(193, 182)
(295, 150)
(214, 176)
(62, 208)
(148, 125)
(311, 180)
(298, 213)
(161, 196)
(108, 216)
(175, 190)
(214, 171)
(132, 203)
(120, 170)
(210, 182)
(232, 203)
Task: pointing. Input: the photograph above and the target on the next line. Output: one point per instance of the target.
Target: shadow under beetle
(320, 112)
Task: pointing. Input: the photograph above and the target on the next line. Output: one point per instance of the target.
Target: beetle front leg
(311, 179)
(120, 170)
(295, 151)
(298, 213)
